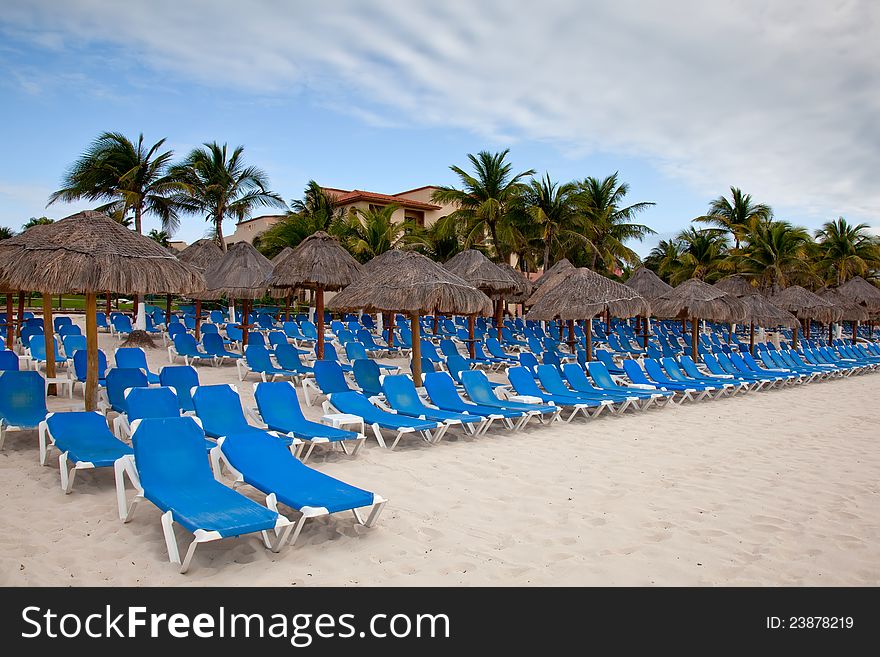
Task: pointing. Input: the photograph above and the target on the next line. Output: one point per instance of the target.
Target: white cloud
(778, 97)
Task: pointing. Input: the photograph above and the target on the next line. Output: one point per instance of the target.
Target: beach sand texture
(768, 488)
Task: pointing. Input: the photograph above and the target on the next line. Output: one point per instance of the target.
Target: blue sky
(683, 99)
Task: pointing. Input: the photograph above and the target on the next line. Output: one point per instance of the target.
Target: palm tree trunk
(219, 225)
(547, 254)
(138, 211)
(493, 231)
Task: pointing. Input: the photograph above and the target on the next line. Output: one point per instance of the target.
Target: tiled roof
(360, 195)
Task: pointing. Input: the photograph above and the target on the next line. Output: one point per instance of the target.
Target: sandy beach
(769, 488)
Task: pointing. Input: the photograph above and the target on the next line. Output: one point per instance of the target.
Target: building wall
(248, 230)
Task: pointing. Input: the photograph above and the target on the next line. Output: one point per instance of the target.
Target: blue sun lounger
(185, 345)
(577, 379)
(602, 379)
(525, 386)
(367, 376)
(262, 463)
(119, 379)
(278, 407)
(728, 366)
(135, 357)
(742, 365)
(84, 441)
(214, 345)
(142, 403)
(699, 390)
(691, 369)
(478, 388)
(637, 375)
(441, 389)
(402, 397)
(257, 360)
(172, 472)
(219, 410)
(357, 403)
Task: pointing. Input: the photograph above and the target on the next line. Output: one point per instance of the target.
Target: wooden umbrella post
(830, 332)
(390, 329)
(588, 329)
(245, 327)
(684, 325)
(752, 338)
(49, 336)
(198, 318)
(560, 331)
(645, 330)
(91, 391)
(20, 321)
(436, 322)
(807, 329)
(167, 309)
(416, 350)
(109, 305)
(695, 330)
(319, 310)
(855, 326)
(10, 321)
(499, 316)
(287, 307)
(471, 346)
(572, 345)
(794, 335)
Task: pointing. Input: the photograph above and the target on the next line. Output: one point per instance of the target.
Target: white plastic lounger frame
(68, 474)
(218, 458)
(377, 430)
(126, 466)
(172, 354)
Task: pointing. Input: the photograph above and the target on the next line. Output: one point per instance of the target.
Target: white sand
(770, 488)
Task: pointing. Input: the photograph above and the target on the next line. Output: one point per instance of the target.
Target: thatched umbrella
(697, 300)
(582, 294)
(415, 286)
(763, 313)
(90, 253)
(486, 276)
(847, 308)
(650, 286)
(384, 260)
(240, 274)
(318, 263)
(282, 293)
(524, 286)
(865, 294)
(804, 305)
(562, 265)
(201, 254)
(737, 285)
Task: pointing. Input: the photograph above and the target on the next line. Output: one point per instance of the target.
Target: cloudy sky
(683, 98)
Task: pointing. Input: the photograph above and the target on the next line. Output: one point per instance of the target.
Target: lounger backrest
(456, 364)
(151, 402)
(257, 357)
(22, 398)
(278, 403)
(552, 381)
(8, 360)
(366, 373)
(366, 337)
(329, 352)
(131, 357)
(213, 343)
(330, 377)
(80, 362)
(441, 389)
(58, 322)
(121, 323)
(527, 359)
(634, 372)
(73, 343)
(219, 409)
(118, 380)
(712, 364)
(576, 377)
(81, 430)
(551, 358)
(477, 386)
(234, 333)
(523, 381)
(600, 375)
(672, 369)
(400, 393)
(652, 367)
(170, 454)
(355, 350)
(69, 329)
(355, 403)
(185, 344)
(183, 378)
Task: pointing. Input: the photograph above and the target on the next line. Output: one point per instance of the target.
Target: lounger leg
(297, 528)
(375, 511)
(308, 452)
(396, 440)
(43, 438)
(171, 543)
(379, 438)
(121, 467)
(358, 444)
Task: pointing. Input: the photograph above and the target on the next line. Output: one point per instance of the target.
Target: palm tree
(663, 258)
(777, 254)
(6, 233)
(436, 243)
(37, 221)
(735, 216)
(703, 256)
(130, 176)
(485, 200)
(219, 184)
(607, 225)
(371, 232)
(160, 236)
(845, 250)
(317, 210)
(318, 206)
(551, 209)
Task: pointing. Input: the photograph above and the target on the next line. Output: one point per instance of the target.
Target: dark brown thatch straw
(862, 292)
(281, 256)
(847, 308)
(91, 253)
(201, 254)
(647, 283)
(761, 312)
(240, 274)
(582, 294)
(415, 285)
(737, 285)
(804, 304)
(386, 259)
(562, 265)
(697, 299)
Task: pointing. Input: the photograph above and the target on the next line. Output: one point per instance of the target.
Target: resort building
(413, 204)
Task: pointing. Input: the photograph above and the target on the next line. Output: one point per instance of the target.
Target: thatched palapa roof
(281, 256)
(763, 313)
(549, 282)
(862, 292)
(562, 265)
(737, 285)
(482, 273)
(319, 261)
(647, 283)
(241, 274)
(382, 261)
(414, 285)
(847, 308)
(91, 253)
(697, 299)
(524, 286)
(201, 254)
(804, 304)
(583, 294)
